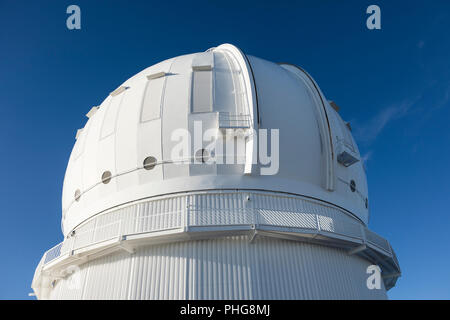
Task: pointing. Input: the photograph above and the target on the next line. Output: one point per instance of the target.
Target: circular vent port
(353, 185)
(77, 195)
(106, 177)
(149, 163)
(202, 155)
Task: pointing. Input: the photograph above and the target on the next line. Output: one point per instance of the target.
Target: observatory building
(216, 175)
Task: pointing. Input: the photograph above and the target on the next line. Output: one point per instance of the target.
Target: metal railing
(227, 120)
(53, 253)
(152, 217)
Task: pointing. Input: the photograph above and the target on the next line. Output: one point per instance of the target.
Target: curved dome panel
(223, 91)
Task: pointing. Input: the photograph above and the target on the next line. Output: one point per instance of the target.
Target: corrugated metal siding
(159, 272)
(225, 268)
(71, 287)
(107, 278)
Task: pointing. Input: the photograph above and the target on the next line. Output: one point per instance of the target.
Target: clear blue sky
(392, 84)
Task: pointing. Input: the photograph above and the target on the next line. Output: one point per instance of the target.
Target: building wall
(223, 268)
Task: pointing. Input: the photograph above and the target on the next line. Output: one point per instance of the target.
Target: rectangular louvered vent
(91, 112)
(334, 105)
(118, 91)
(156, 75)
(203, 62)
(237, 121)
(79, 131)
(202, 68)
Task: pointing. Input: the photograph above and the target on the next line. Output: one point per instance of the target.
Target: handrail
(193, 215)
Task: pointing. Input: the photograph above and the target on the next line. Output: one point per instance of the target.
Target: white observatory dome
(279, 212)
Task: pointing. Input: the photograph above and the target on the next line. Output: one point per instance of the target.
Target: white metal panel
(159, 272)
(204, 122)
(149, 145)
(81, 136)
(107, 278)
(151, 104)
(90, 173)
(175, 112)
(69, 288)
(319, 107)
(126, 153)
(285, 105)
(73, 181)
(224, 93)
(110, 117)
(226, 268)
(106, 161)
(202, 91)
(203, 61)
(160, 215)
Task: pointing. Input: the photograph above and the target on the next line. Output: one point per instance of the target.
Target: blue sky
(393, 85)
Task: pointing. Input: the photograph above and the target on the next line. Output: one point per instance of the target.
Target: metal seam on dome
(254, 86)
(162, 105)
(184, 160)
(330, 185)
(321, 99)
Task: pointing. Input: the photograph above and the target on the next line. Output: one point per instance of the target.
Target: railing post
(363, 233)
(186, 214)
(72, 245)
